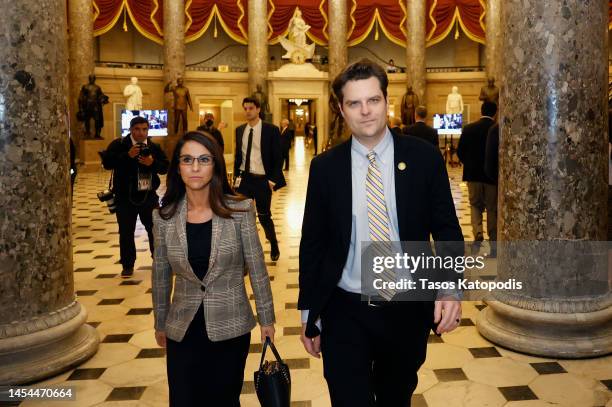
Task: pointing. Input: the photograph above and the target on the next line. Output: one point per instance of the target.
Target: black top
(198, 246)
(423, 131)
(471, 150)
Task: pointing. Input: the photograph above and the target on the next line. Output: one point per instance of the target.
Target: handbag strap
(110, 181)
(263, 353)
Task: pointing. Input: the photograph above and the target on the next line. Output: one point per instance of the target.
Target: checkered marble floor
(462, 368)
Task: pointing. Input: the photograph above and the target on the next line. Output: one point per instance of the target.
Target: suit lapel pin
(401, 166)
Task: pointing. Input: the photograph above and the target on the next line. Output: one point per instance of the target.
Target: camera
(145, 151)
(108, 197)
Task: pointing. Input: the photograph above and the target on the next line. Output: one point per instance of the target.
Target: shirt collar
(134, 142)
(379, 149)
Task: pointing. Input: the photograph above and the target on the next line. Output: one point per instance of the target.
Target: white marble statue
(297, 50)
(454, 102)
(133, 93)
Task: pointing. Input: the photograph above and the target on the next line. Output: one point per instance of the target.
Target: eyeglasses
(204, 160)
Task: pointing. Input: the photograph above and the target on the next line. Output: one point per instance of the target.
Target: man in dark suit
(371, 348)
(421, 130)
(258, 166)
(209, 127)
(136, 162)
(482, 189)
(286, 135)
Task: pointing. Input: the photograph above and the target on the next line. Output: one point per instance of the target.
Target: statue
(264, 113)
(454, 102)
(91, 99)
(409, 103)
(490, 92)
(133, 93)
(182, 101)
(297, 50)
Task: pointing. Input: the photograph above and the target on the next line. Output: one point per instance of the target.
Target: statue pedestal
(90, 159)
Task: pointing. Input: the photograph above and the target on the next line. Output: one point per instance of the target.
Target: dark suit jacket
(491, 166)
(125, 175)
(423, 131)
(286, 137)
(424, 208)
(271, 153)
(471, 150)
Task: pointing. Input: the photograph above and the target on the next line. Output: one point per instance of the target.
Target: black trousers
(126, 218)
(286, 157)
(371, 355)
(257, 188)
(205, 373)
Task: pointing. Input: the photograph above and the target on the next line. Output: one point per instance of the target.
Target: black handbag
(273, 380)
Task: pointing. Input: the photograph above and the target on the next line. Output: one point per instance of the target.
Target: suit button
(202, 288)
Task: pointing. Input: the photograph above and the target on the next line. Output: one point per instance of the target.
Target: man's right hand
(160, 338)
(134, 151)
(312, 345)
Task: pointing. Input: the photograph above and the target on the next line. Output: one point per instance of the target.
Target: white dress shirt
(256, 165)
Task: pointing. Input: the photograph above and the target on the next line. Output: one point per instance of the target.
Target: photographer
(136, 161)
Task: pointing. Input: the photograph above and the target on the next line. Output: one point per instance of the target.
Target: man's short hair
(363, 69)
(138, 120)
(254, 101)
(488, 109)
(421, 112)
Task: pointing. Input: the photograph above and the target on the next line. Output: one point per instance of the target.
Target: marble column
(174, 58)
(42, 326)
(553, 181)
(415, 48)
(493, 37)
(337, 60)
(80, 40)
(258, 45)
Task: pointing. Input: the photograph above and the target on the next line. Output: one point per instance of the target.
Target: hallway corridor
(462, 368)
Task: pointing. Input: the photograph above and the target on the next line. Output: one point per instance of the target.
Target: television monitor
(448, 123)
(158, 121)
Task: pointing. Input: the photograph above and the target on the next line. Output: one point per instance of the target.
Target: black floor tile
(418, 400)
(450, 375)
(151, 353)
(255, 348)
(434, 339)
(83, 269)
(607, 383)
(83, 251)
(126, 393)
(140, 311)
(117, 338)
(548, 368)
(111, 301)
(248, 387)
(466, 322)
(145, 268)
(107, 275)
(101, 241)
(517, 393)
(94, 324)
(481, 307)
(149, 291)
(292, 330)
(303, 403)
(293, 270)
(301, 363)
(291, 305)
(130, 282)
(488, 352)
(86, 374)
(293, 286)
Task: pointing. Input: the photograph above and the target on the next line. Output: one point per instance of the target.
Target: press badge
(237, 182)
(144, 181)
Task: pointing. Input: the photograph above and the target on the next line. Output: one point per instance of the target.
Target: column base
(554, 335)
(35, 356)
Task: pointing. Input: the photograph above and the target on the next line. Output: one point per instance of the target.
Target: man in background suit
(482, 189)
(371, 349)
(421, 130)
(258, 165)
(286, 136)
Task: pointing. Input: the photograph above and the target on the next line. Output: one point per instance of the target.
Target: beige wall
(228, 89)
(130, 46)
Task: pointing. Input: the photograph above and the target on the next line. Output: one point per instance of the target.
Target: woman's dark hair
(220, 189)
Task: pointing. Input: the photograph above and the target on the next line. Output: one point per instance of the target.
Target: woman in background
(206, 237)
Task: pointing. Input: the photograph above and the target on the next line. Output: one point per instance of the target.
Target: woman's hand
(160, 338)
(267, 330)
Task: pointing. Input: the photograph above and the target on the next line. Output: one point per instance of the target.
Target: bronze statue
(490, 92)
(409, 103)
(91, 99)
(263, 101)
(182, 101)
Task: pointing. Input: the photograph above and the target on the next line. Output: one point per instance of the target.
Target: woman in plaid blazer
(205, 236)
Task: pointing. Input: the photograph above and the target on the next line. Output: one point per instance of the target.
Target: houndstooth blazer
(235, 247)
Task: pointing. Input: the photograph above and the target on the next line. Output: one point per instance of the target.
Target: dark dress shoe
(127, 272)
(274, 251)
